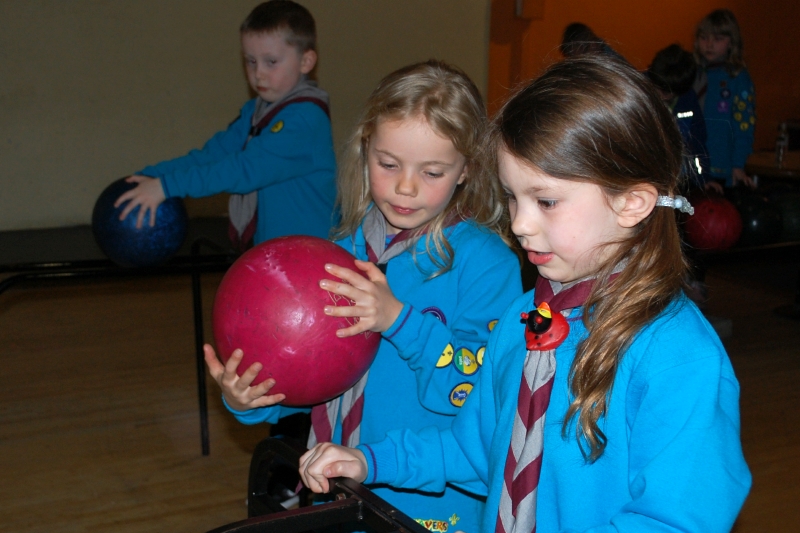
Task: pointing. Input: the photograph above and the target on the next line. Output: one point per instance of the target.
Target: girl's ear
(634, 205)
(464, 173)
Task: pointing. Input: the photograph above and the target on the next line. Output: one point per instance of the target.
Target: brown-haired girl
(426, 221)
(726, 95)
(641, 431)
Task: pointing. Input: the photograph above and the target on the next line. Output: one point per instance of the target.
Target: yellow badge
(492, 324)
(737, 117)
(741, 106)
(453, 519)
(744, 126)
(481, 351)
(459, 394)
(465, 362)
(446, 358)
(278, 126)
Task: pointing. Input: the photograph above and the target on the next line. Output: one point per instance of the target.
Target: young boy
(673, 72)
(278, 153)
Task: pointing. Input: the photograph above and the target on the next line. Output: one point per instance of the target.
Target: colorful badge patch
(722, 106)
(725, 93)
(492, 324)
(438, 526)
(278, 126)
(479, 355)
(459, 394)
(453, 519)
(446, 358)
(465, 362)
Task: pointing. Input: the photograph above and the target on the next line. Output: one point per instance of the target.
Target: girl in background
(726, 95)
(425, 218)
(606, 401)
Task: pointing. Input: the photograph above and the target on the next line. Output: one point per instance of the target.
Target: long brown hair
(450, 103)
(595, 119)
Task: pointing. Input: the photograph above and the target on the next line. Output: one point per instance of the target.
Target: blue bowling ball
(128, 246)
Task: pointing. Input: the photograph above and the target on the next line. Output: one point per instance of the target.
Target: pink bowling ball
(270, 305)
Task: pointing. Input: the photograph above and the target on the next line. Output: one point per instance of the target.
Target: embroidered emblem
(744, 94)
(481, 351)
(737, 117)
(744, 126)
(722, 107)
(278, 126)
(459, 394)
(465, 362)
(435, 311)
(453, 519)
(492, 324)
(446, 358)
(741, 105)
(725, 93)
(752, 119)
(437, 526)
(544, 330)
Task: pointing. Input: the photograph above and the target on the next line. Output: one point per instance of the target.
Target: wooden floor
(98, 407)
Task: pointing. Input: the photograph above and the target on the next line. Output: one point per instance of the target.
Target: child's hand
(739, 176)
(327, 460)
(238, 393)
(148, 194)
(713, 186)
(374, 304)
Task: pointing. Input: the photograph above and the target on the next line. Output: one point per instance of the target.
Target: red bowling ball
(270, 305)
(715, 225)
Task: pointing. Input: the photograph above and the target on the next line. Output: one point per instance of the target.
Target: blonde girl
(726, 95)
(425, 219)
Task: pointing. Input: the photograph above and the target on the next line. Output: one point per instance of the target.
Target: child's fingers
(215, 368)
(342, 289)
(348, 275)
(126, 197)
(328, 460)
(355, 329)
(371, 270)
(249, 375)
(140, 216)
(310, 472)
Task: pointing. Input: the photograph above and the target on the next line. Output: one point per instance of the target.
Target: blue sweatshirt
(430, 358)
(291, 164)
(673, 461)
(729, 110)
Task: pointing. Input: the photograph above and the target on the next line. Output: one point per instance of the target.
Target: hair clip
(679, 202)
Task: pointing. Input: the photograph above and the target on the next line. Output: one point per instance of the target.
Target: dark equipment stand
(274, 466)
(195, 264)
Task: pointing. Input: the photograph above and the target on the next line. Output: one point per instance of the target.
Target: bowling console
(275, 505)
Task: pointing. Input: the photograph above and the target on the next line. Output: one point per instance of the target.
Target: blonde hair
(595, 119)
(450, 103)
(722, 22)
